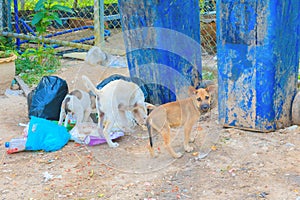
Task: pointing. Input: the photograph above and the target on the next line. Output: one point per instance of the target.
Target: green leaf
(39, 5)
(41, 29)
(62, 8)
(57, 19)
(37, 18)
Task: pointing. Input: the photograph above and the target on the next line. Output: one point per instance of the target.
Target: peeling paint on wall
(258, 59)
(162, 40)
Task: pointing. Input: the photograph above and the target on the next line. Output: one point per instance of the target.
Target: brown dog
(184, 113)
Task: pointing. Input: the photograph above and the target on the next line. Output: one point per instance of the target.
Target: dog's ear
(210, 88)
(192, 91)
(150, 106)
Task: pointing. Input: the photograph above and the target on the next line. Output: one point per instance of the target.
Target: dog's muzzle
(204, 107)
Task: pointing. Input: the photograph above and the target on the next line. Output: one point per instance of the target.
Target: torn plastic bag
(45, 101)
(135, 80)
(46, 135)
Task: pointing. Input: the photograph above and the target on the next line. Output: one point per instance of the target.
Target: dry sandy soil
(240, 165)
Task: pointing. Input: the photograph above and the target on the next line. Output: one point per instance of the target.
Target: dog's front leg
(100, 123)
(106, 133)
(86, 115)
(67, 120)
(79, 114)
(100, 119)
(62, 115)
(124, 122)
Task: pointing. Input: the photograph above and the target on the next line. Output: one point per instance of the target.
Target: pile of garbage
(43, 131)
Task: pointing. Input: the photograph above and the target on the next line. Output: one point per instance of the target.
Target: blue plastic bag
(45, 135)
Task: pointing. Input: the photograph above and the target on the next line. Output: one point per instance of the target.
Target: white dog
(116, 99)
(80, 103)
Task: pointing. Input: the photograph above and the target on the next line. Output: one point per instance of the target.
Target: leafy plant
(46, 13)
(6, 47)
(208, 75)
(36, 63)
(5, 54)
(41, 61)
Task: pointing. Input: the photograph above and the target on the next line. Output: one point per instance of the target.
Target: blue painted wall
(258, 59)
(162, 40)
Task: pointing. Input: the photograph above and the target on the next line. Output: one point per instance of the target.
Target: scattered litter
(195, 153)
(213, 148)
(263, 195)
(231, 171)
(88, 133)
(289, 129)
(50, 161)
(47, 176)
(100, 195)
(91, 173)
(59, 177)
(46, 135)
(292, 128)
(80, 131)
(117, 61)
(95, 140)
(5, 191)
(289, 144)
(45, 100)
(95, 56)
(208, 145)
(15, 145)
(202, 155)
(25, 130)
(10, 92)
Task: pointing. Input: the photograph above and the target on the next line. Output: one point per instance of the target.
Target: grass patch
(33, 64)
(208, 75)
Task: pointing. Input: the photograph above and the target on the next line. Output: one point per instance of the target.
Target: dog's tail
(150, 137)
(89, 85)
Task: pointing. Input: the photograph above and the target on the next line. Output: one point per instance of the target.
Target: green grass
(33, 64)
(208, 75)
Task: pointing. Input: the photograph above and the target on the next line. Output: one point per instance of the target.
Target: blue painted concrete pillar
(162, 40)
(258, 59)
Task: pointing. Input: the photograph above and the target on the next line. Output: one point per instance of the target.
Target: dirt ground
(240, 164)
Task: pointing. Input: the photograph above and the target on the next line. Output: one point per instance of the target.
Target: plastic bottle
(15, 145)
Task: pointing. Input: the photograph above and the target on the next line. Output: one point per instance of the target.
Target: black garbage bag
(45, 100)
(135, 80)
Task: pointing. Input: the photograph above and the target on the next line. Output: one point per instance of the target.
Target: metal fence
(208, 35)
(87, 25)
(91, 23)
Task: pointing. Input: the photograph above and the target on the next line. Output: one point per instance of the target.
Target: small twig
(23, 85)
(185, 195)
(80, 160)
(2, 159)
